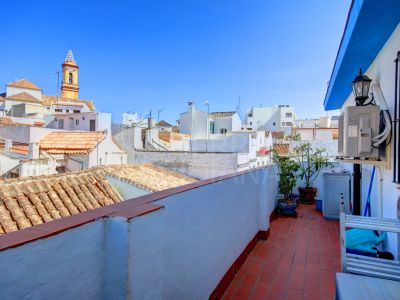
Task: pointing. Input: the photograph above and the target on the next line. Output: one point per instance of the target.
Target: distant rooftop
(29, 201)
(24, 97)
(23, 83)
(146, 176)
(71, 142)
(222, 114)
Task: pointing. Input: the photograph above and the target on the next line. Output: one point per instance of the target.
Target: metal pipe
(395, 121)
(357, 189)
(397, 125)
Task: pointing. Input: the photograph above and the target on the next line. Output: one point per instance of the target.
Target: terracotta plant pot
(287, 207)
(307, 195)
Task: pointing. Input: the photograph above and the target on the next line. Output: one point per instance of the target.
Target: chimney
(151, 123)
(7, 146)
(33, 151)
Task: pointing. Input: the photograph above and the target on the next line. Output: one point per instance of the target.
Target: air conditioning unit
(358, 125)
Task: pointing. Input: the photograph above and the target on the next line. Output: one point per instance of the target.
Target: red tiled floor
(298, 261)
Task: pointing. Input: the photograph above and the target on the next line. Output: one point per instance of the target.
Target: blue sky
(142, 55)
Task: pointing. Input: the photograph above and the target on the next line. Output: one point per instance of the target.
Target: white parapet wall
(179, 251)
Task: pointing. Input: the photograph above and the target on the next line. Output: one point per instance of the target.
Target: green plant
(311, 161)
(287, 175)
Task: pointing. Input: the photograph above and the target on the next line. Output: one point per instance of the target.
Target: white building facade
(277, 118)
(201, 125)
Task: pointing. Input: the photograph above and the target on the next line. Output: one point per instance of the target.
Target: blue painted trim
(369, 25)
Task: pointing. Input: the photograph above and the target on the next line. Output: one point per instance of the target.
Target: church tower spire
(70, 86)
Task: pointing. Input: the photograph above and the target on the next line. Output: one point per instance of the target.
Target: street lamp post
(361, 86)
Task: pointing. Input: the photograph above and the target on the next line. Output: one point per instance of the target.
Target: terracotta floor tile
(294, 294)
(298, 261)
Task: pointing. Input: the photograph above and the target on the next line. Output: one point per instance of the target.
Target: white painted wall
(309, 134)
(68, 265)
(381, 71)
(194, 122)
(235, 142)
(107, 153)
(129, 137)
(198, 165)
(179, 252)
(7, 163)
(277, 118)
(81, 121)
(37, 167)
(24, 134)
(10, 90)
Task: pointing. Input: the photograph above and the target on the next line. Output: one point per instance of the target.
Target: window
(92, 125)
(223, 131)
(212, 129)
(76, 122)
(273, 123)
(288, 115)
(75, 111)
(58, 110)
(70, 77)
(67, 110)
(251, 123)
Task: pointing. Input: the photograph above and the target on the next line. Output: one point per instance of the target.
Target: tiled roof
(48, 100)
(222, 114)
(278, 134)
(24, 83)
(6, 121)
(29, 201)
(24, 97)
(163, 123)
(281, 149)
(17, 148)
(71, 142)
(146, 176)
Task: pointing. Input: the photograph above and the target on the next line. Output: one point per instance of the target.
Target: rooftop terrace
(298, 261)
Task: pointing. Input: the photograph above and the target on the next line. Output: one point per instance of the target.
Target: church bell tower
(70, 86)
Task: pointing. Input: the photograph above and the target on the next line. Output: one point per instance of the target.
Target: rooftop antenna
(238, 106)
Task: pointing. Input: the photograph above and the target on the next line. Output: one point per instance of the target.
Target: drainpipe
(357, 189)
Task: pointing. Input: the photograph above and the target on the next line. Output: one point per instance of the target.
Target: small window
(58, 110)
(77, 122)
(75, 111)
(70, 78)
(273, 123)
(288, 115)
(223, 131)
(251, 123)
(67, 110)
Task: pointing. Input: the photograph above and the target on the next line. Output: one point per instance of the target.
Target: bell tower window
(70, 77)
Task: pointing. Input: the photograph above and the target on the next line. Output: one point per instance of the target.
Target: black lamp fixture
(361, 88)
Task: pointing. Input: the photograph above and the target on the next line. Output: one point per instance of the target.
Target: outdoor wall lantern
(361, 88)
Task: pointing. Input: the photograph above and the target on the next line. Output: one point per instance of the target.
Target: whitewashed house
(83, 121)
(276, 118)
(201, 125)
(77, 150)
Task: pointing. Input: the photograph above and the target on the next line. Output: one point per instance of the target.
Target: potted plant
(287, 180)
(311, 161)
